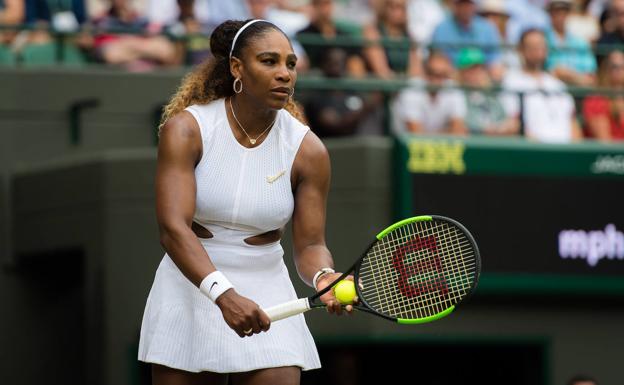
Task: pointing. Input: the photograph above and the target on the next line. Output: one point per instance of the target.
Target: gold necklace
(251, 140)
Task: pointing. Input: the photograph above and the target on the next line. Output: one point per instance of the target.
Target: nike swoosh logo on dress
(273, 178)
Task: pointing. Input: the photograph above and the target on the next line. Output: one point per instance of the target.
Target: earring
(292, 92)
(240, 82)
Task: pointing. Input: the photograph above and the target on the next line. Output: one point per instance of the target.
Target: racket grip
(287, 309)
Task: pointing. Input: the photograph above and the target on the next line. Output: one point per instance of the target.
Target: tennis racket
(415, 271)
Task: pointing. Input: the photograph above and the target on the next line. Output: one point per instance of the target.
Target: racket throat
(288, 309)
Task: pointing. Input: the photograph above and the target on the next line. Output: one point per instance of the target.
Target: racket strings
(418, 270)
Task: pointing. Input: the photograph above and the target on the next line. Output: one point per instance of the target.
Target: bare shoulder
(312, 160)
(182, 125)
(312, 149)
(181, 134)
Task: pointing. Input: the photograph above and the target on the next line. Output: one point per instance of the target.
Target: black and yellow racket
(415, 271)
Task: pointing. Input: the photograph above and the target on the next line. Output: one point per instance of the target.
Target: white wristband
(214, 284)
(318, 274)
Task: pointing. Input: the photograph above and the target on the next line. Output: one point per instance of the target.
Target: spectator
(136, 52)
(582, 380)
(526, 14)
(337, 112)
(323, 26)
(66, 16)
(597, 7)
(615, 39)
(465, 28)
(423, 16)
(496, 12)
(548, 114)
(604, 116)
(357, 12)
(485, 113)
(179, 16)
(11, 13)
(394, 55)
(583, 23)
(570, 58)
(433, 111)
(607, 22)
(289, 21)
(193, 26)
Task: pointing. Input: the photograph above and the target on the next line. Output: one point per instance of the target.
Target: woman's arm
(415, 68)
(374, 54)
(179, 151)
(600, 127)
(312, 174)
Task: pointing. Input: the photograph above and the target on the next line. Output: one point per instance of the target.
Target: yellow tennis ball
(344, 291)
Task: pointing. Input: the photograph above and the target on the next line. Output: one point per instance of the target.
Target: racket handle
(287, 309)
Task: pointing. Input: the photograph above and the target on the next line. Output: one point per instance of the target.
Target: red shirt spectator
(603, 114)
(599, 107)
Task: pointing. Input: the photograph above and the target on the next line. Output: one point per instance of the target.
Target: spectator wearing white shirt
(423, 16)
(433, 111)
(548, 113)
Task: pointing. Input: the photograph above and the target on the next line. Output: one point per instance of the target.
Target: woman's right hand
(242, 314)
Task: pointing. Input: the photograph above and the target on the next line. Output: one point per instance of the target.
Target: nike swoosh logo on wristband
(211, 286)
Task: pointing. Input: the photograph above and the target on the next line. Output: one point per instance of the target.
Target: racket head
(418, 270)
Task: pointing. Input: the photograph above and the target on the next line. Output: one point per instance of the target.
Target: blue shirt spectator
(570, 58)
(464, 28)
(571, 52)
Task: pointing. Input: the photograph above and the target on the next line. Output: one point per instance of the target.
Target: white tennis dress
(241, 192)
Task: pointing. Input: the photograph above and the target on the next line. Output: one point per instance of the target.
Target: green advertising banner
(547, 218)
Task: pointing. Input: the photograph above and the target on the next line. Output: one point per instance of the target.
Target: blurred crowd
(551, 70)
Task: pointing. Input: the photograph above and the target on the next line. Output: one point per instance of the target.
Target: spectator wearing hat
(570, 58)
(438, 110)
(485, 113)
(497, 13)
(465, 28)
(548, 113)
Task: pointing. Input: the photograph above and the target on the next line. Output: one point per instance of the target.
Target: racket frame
(312, 302)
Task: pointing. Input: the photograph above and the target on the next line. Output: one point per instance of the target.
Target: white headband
(241, 31)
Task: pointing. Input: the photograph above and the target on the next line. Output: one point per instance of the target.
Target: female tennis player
(235, 163)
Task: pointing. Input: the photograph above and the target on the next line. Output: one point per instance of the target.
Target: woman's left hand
(333, 305)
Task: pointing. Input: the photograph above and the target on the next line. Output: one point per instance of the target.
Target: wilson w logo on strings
(419, 267)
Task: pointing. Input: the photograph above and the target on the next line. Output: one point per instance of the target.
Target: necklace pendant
(252, 141)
